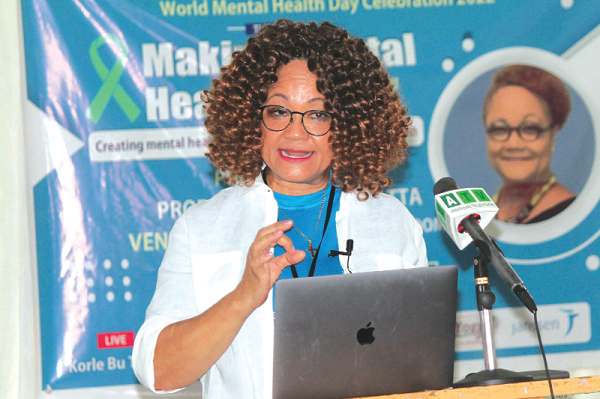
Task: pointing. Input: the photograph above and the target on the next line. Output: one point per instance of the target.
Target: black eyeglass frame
(262, 119)
(518, 130)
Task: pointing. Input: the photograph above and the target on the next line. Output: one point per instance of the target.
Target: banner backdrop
(116, 143)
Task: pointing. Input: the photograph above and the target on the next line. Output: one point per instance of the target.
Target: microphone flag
(455, 205)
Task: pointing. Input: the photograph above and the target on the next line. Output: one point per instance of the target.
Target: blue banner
(116, 147)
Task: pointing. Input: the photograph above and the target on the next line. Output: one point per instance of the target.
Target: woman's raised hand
(262, 268)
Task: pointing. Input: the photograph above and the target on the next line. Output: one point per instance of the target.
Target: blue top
(304, 211)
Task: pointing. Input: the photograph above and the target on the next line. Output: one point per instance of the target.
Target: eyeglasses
(526, 131)
(278, 118)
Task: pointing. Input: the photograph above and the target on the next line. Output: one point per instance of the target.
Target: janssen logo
(559, 324)
(571, 314)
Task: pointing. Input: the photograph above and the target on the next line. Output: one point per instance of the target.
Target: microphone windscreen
(443, 185)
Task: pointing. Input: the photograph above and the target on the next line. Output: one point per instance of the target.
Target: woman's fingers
(262, 270)
(291, 255)
(267, 237)
(260, 253)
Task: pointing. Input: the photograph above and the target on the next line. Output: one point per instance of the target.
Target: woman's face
(517, 160)
(298, 162)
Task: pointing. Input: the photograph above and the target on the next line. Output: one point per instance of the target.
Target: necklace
(537, 196)
(310, 248)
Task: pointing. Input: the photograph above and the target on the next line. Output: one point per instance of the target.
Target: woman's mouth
(296, 154)
(517, 159)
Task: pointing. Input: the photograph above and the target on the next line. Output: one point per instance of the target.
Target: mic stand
(485, 300)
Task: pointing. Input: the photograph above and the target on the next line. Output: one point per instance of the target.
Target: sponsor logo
(559, 324)
(571, 315)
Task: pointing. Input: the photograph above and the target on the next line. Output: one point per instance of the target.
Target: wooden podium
(532, 389)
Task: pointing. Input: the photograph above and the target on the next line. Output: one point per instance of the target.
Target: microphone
(349, 247)
(453, 205)
(470, 210)
(348, 252)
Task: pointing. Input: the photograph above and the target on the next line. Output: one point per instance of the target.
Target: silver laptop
(365, 334)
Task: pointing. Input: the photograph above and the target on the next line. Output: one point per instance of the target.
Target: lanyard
(327, 217)
(537, 196)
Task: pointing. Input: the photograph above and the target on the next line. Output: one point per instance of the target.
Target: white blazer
(205, 260)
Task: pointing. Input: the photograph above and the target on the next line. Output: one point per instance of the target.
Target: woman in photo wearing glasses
(523, 111)
(306, 124)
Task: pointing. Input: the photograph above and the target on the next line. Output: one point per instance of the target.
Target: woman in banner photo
(523, 111)
(306, 124)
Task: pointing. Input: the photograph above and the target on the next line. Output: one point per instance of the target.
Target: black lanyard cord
(327, 217)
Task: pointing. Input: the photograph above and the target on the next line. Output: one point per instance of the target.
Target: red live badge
(122, 339)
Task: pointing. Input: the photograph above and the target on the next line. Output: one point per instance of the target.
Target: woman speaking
(523, 111)
(306, 125)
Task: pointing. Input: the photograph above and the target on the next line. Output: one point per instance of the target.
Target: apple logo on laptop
(365, 335)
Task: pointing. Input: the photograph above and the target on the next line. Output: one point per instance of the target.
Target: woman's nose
(296, 129)
(514, 140)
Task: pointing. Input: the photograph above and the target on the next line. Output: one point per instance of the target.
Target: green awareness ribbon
(110, 86)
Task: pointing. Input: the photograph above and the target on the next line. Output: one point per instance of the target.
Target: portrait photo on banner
(524, 135)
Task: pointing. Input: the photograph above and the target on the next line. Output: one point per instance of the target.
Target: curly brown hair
(370, 125)
(543, 84)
